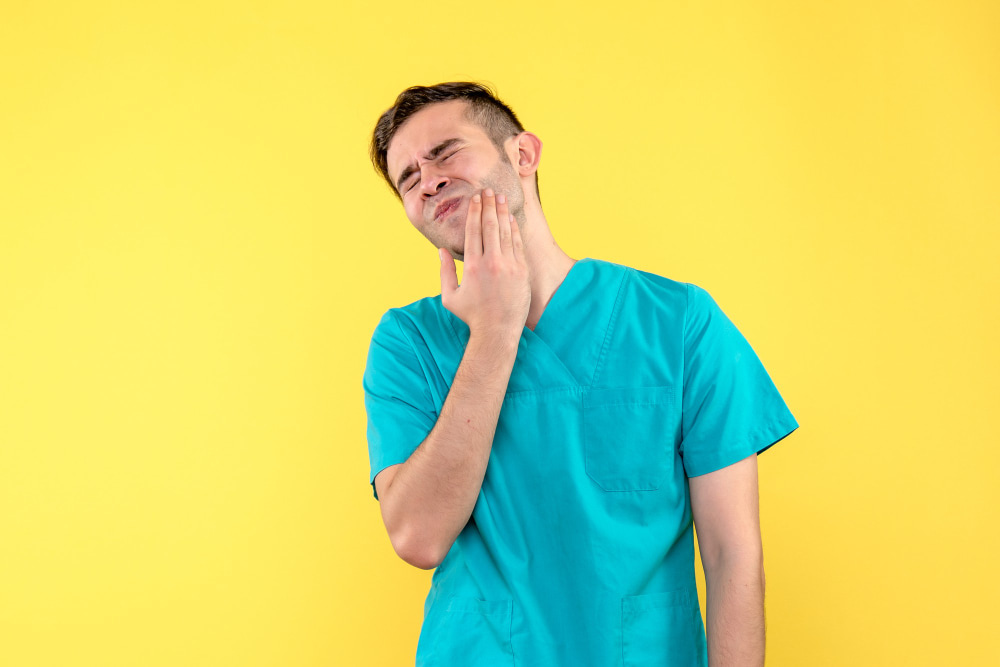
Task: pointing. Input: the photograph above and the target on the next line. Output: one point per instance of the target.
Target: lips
(446, 207)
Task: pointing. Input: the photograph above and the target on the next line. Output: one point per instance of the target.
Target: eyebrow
(432, 154)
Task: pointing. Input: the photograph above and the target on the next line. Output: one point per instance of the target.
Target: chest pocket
(628, 437)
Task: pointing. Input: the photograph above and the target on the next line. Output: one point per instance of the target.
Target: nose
(432, 181)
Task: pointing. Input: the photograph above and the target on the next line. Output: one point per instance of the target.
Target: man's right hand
(495, 293)
(426, 501)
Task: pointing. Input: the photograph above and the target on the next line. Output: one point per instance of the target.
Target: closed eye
(413, 182)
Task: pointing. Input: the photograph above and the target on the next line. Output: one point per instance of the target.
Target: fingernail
(501, 199)
(511, 216)
(475, 198)
(489, 192)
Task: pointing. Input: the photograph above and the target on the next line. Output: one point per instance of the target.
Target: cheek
(466, 168)
(412, 211)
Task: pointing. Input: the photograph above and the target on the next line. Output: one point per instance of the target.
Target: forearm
(735, 613)
(433, 493)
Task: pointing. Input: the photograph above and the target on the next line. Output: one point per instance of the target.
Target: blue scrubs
(580, 548)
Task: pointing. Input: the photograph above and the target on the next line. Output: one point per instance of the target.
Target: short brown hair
(498, 120)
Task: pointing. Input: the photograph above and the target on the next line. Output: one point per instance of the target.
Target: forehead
(427, 128)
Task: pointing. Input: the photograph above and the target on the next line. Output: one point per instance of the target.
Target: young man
(544, 433)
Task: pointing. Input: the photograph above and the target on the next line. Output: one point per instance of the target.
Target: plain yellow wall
(194, 252)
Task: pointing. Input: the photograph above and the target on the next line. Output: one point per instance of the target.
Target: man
(544, 433)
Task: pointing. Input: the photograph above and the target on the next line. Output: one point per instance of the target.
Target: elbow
(417, 550)
(422, 561)
(417, 541)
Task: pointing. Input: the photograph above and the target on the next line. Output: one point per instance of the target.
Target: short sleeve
(397, 398)
(730, 407)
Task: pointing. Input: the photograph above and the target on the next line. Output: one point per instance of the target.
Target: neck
(547, 263)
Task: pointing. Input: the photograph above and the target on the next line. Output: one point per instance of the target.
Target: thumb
(449, 273)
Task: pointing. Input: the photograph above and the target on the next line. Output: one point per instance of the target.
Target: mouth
(446, 207)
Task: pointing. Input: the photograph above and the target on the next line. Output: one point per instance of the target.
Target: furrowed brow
(432, 154)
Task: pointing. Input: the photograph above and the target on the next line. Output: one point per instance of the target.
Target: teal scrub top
(580, 548)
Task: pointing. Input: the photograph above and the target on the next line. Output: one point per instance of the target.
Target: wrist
(501, 339)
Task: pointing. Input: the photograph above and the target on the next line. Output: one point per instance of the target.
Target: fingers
(449, 274)
(503, 219)
(491, 227)
(473, 229)
(515, 238)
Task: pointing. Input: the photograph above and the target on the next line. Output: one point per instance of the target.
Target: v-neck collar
(566, 293)
(571, 332)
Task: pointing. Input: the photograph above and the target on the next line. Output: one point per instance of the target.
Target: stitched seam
(687, 307)
(611, 326)
(510, 633)
(535, 392)
(420, 362)
(619, 404)
(621, 613)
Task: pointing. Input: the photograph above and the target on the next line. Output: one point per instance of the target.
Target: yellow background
(194, 252)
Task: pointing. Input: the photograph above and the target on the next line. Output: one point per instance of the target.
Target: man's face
(438, 160)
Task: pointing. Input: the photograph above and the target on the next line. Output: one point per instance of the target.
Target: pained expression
(438, 160)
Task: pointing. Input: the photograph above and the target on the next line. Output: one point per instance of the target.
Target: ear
(528, 149)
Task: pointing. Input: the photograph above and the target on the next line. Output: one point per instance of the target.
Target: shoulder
(654, 289)
(412, 318)
(424, 329)
(399, 340)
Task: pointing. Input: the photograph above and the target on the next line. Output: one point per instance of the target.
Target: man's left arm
(726, 513)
